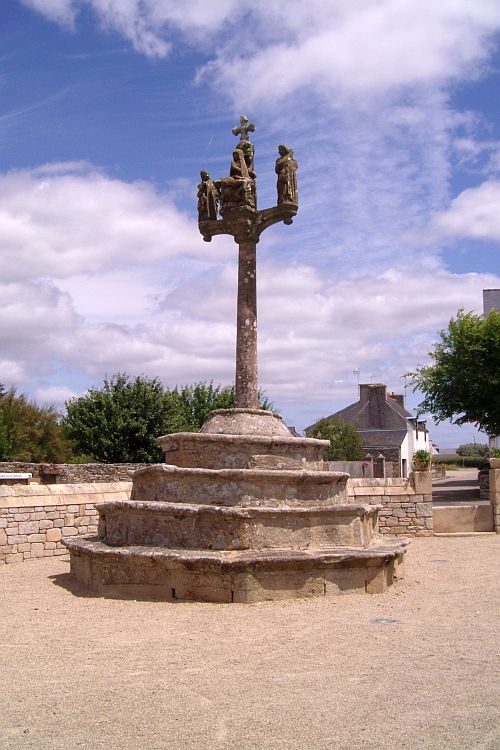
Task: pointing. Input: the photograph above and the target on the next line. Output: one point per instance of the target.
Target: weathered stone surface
(230, 576)
(223, 528)
(245, 421)
(245, 487)
(238, 451)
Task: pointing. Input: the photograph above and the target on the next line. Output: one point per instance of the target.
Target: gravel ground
(81, 672)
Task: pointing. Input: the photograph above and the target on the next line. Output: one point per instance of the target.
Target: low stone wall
(484, 484)
(407, 503)
(34, 518)
(494, 485)
(78, 473)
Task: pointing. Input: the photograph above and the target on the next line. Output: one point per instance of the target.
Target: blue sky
(109, 109)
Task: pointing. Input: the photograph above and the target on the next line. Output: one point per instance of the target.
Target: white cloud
(472, 214)
(60, 11)
(59, 221)
(278, 48)
(54, 395)
(11, 371)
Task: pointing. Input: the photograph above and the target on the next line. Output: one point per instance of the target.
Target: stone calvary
(242, 511)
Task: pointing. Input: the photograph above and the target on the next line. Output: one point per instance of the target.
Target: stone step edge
(239, 511)
(278, 475)
(233, 559)
(216, 437)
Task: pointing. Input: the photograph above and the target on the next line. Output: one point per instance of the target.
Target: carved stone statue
(238, 189)
(236, 192)
(286, 169)
(208, 198)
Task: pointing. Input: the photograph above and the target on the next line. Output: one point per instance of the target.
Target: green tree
(345, 443)
(119, 423)
(473, 449)
(29, 432)
(193, 403)
(4, 440)
(463, 383)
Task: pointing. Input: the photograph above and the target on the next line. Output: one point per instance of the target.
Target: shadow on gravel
(69, 583)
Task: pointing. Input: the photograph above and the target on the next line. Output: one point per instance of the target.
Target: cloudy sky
(109, 109)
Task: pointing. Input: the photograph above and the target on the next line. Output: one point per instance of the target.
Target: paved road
(461, 486)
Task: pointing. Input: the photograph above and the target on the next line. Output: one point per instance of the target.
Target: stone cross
(237, 201)
(244, 128)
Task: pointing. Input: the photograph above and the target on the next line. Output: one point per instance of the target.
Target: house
(385, 426)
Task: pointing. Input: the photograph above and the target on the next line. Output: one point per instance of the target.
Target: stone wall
(407, 503)
(34, 518)
(78, 473)
(494, 484)
(484, 484)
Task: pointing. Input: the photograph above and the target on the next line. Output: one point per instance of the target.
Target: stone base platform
(243, 512)
(157, 573)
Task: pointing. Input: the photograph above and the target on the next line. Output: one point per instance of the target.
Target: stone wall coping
(58, 494)
(372, 482)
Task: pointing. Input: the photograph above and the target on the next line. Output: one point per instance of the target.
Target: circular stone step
(232, 576)
(124, 523)
(245, 487)
(214, 451)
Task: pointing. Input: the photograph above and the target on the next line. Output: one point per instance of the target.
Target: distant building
(385, 426)
(491, 300)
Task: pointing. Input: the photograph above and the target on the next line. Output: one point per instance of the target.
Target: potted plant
(50, 472)
(421, 460)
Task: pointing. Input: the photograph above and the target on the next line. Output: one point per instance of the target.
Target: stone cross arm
(244, 128)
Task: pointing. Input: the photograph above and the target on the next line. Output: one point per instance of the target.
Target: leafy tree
(4, 440)
(29, 432)
(345, 443)
(193, 403)
(463, 383)
(121, 421)
(473, 449)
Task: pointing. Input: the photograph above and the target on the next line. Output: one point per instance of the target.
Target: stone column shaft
(246, 384)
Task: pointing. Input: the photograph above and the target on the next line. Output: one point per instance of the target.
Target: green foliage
(469, 462)
(119, 423)
(345, 443)
(495, 453)
(473, 449)
(29, 432)
(463, 384)
(4, 440)
(192, 404)
(421, 459)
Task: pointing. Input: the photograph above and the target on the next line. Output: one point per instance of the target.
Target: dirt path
(317, 674)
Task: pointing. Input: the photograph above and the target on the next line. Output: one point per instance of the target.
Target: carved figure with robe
(286, 169)
(208, 198)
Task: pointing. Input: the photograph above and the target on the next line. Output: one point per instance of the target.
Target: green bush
(469, 462)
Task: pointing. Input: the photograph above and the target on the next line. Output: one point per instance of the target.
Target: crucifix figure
(240, 218)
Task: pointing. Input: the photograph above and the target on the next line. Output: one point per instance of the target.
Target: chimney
(376, 395)
(398, 397)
